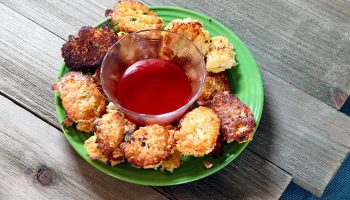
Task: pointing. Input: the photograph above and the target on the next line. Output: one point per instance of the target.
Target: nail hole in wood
(44, 175)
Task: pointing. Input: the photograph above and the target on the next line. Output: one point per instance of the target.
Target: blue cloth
(338, 188)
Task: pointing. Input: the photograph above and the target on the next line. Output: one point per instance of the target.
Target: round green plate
(245, 81)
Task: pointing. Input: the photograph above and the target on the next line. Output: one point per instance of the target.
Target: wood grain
(289, 112)
(38, 163)
(30, 59)
(329, 10)
(288, 40)
(301, 135)
(59, 17)
(247, 177)
(30, 99)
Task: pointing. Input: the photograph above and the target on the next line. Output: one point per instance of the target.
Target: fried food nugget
(149, 146)
(214, 83)
(237, 120)
(130, 16)
(110, 131)
(82, 100)
(198, 133)
(86, 50)
(93, 151)
(173, 163)
(193, 30)
(221, 55)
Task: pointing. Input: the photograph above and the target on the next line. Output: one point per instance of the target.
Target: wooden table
(301, 46)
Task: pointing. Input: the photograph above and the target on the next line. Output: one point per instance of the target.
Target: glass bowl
(150, 44)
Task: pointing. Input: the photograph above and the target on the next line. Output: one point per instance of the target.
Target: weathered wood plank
(301, 135)
(14, 88)
(330, 10)
(59, 17)
(30, 59)
(248, 177)
(38, 163)
(290, 42)
(106, 3)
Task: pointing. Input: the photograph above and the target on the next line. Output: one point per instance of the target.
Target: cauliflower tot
(193, 30)
(198, 133)
(214, 83)
(95, 153)
(173, 163)
(82, 100)
(130, 16)
(221, 55)
(110, 131)
(86, 50)
(237, 120)
(149, 146)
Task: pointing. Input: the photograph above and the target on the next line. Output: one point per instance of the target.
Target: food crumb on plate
(207, 164)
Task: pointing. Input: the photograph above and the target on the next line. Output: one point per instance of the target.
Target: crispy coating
(198, 133)
(149, 146)
(193, 30)
(214, 83)
(81, 99)
(86, 50)
(221, 55)
(130, 16)
(237, 120)
(173, 163)
(95, 153)
(110, 131)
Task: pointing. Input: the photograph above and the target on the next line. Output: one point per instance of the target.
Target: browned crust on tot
(95, 153)
(198, 133)
(214, 83)
(149, 146)
(174, 162)
(130, 16)
(110, 131)
(86, 50)
(237, 120)
(193, 30)
(81, 99)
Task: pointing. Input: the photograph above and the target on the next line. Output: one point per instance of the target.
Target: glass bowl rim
(153, 116)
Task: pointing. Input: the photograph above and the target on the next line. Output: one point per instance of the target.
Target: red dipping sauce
(154, 86)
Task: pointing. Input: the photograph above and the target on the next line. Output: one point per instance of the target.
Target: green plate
(246, 83)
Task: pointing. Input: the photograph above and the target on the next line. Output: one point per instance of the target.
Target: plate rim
(167, 183)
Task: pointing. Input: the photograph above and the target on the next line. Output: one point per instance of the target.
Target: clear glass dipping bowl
(152, 44)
